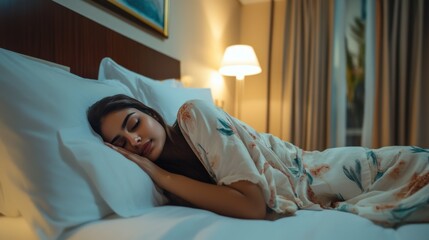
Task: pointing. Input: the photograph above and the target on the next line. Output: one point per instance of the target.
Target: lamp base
(239, 94)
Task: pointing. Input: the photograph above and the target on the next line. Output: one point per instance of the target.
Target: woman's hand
(155, 172)
(241, 199)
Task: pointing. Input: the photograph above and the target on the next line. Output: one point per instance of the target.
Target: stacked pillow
(40, 180)
(163, 96)
(54, 171)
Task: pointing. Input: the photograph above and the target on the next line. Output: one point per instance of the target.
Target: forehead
(112, 122)
(117, 116)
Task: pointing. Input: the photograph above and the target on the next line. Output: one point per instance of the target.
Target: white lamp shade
(239, 61)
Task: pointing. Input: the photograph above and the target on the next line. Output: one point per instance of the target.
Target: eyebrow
(124, 124)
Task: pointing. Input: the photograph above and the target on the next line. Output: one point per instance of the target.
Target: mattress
(171, 222)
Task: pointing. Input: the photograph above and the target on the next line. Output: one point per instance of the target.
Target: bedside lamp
(239, 61)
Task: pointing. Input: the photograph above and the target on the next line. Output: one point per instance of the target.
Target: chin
(153, 156)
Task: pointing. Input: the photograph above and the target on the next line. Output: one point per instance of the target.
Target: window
(355, 69)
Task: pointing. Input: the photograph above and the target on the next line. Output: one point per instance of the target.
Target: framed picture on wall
(150, 13)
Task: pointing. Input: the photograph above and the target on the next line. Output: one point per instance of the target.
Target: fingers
(144, 163)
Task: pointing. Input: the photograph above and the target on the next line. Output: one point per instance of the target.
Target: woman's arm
(242, 199)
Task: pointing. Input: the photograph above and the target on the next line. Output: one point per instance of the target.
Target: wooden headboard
(47, 30)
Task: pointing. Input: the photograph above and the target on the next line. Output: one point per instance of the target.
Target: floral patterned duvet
(386, 185)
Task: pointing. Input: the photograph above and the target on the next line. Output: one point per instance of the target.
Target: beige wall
(276, 86)
(199, 31)
(255, 27)
(255, 21)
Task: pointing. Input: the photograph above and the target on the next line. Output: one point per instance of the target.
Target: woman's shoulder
(196, 110)
(197, 105)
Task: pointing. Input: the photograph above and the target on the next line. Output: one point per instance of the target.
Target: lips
(146, 148)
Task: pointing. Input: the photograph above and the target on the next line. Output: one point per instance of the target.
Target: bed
(57, 179)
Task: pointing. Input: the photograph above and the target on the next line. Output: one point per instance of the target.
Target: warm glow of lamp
(239, 61)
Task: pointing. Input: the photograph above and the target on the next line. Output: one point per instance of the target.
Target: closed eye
(136, 125)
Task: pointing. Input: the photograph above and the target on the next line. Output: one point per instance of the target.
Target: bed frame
(44, 29)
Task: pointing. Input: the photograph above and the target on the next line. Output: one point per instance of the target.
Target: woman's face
(135, 131)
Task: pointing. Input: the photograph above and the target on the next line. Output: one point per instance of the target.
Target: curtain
(400, 115)
(305, 75)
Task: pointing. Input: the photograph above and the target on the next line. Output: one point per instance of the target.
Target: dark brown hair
(114, 103)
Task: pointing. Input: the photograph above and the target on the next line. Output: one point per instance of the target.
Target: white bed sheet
(170, 222)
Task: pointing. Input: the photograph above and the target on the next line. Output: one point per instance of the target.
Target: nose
(134, 140)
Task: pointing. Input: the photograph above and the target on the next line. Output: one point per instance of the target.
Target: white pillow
(109, 69)
(172, 83)
(167, 100)
(127, 189)
(40, 179)
(7, 208)
(164, 98)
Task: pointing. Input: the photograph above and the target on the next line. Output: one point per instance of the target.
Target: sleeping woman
(210, 160)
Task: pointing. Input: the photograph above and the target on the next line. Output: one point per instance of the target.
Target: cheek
(159, 131)
(155, 127)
